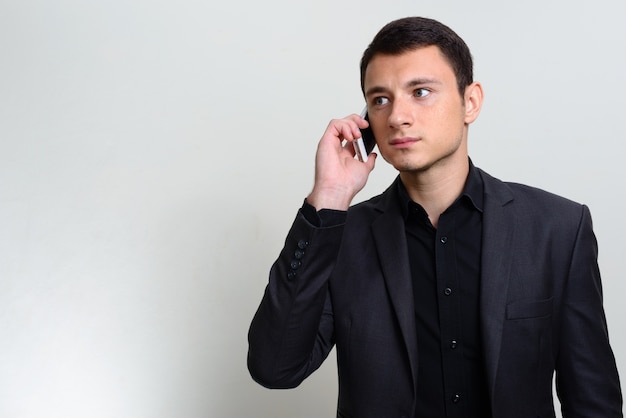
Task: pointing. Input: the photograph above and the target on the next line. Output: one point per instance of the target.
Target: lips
(403, 142)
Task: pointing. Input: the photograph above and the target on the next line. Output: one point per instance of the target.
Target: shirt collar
(472, 192)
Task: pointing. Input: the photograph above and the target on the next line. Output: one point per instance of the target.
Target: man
(451, 294)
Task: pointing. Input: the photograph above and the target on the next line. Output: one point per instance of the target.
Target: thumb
(371, 161)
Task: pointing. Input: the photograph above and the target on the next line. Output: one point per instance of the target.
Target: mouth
(403, 142)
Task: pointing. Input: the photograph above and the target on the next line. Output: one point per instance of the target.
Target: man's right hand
(338, 175)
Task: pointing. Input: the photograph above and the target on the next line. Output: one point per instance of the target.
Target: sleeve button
(295, 264)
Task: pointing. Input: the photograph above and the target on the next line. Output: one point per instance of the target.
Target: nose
(400, 115)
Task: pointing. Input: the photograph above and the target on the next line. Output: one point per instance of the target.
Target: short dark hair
(410, 33)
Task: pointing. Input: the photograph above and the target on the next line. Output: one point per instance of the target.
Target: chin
(413, 168)
(411, 165)
(401, 161)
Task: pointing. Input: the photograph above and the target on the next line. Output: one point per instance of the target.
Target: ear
(473, 102)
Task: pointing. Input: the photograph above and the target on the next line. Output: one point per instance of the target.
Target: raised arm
(292, 331)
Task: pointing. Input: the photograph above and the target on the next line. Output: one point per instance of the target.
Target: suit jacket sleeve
(587, 378)
(292, 331)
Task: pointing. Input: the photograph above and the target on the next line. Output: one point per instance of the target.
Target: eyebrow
(411, 83)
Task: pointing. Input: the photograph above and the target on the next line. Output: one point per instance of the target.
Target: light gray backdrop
(154, 153)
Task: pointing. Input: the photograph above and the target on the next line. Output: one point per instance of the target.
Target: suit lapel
(498, 238)
(390, 239)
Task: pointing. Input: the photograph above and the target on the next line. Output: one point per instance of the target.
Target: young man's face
(415, 109)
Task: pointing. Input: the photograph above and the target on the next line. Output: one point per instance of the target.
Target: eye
(380, 100)
(421, 92)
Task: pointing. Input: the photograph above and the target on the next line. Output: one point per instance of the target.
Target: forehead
(420, 63)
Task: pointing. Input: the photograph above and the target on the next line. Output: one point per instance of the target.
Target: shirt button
(302, 244)
(447, 291)
(453, 344)
(298, 254)
(444, 240)
(456, 398)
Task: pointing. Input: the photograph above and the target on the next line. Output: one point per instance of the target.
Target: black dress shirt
(445, 269)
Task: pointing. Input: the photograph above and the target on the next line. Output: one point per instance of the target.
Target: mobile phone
(364, 145)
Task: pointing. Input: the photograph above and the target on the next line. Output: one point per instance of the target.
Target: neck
(436, 188)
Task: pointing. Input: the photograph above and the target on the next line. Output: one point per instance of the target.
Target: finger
(371, 161)
(350, 130)
(361, 122)
(347, 128)
(349, 146)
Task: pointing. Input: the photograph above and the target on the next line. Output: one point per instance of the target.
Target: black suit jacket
(350, 286)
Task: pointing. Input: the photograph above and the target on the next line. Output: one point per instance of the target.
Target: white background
(153, 155)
